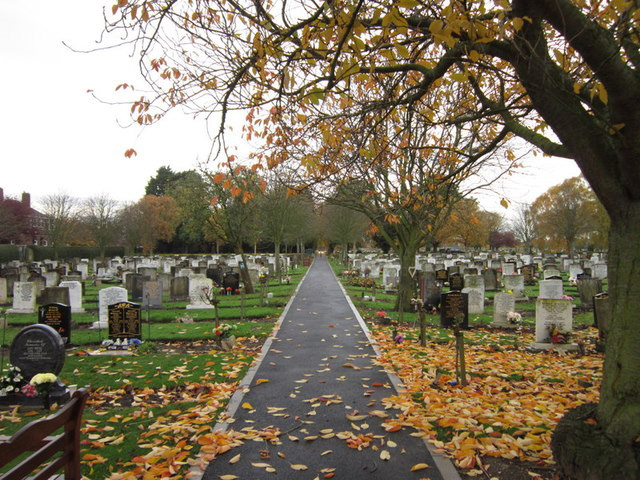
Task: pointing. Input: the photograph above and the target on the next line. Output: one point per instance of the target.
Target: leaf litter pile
(510, 407)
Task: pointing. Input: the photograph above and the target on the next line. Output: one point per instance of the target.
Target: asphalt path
(316, 383)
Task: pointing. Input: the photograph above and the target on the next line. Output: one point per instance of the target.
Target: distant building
(20, 224)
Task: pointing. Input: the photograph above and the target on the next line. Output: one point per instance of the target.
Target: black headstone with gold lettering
(454, 307)
(58, 317)
(124, 321)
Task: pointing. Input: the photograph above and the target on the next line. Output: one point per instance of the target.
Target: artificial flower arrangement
(223, 330)
(557, 337)
(11, 382)
(42, 382)
(514, 318)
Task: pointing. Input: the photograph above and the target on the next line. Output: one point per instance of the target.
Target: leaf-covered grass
(149, 413)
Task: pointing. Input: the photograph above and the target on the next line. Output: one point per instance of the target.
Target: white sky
(55, 137)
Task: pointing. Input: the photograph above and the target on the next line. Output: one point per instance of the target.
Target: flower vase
(227, 343)
(46, 401)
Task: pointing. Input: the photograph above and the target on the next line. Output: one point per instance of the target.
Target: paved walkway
(310, 392)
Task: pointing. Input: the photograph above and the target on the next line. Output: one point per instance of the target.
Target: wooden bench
(34, 437)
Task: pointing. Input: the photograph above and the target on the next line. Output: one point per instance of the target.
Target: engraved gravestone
(503, 303)
(75, 295)
(3, 290)
(109, 296)
(58, 317)
(441, 275)
(551, 312)
(124, 321)
(152, 294)
(179, 289)
(24, 297)
(454, 306)
(490, 279)
(37, 349)
(550, 289)
(199, 289)
(456, 281)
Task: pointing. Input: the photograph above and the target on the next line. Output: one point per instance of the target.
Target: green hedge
(8, 253)
(42, 253)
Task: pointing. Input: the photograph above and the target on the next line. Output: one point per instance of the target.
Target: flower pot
(228, 343)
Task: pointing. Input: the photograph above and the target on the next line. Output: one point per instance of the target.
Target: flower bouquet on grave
(43, 383)
(11, 382)
(224, 336)
(514, 318)
(558, 337)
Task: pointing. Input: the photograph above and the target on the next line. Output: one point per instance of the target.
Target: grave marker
(454, 305)
(58, 317)
(124, 321)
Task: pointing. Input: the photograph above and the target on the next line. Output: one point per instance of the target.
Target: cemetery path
(319, 369)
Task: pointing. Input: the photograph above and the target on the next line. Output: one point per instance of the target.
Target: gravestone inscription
(454, 308)
(124, 321)
(58, 317)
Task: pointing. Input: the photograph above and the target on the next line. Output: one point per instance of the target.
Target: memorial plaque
(456, 281)
(37, 349)
(124, 321)
(58, 317)
(452, 306)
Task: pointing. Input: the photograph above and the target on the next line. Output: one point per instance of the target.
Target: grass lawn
(152, 411)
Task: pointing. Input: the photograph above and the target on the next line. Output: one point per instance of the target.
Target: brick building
(21, 224)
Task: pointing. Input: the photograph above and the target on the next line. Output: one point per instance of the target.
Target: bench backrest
(34, 437)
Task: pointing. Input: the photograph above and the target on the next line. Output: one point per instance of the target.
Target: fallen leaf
(298, 466)
(419, 466)
(235, 459)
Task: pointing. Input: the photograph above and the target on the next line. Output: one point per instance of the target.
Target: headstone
(474, 288)
(600, 271)
(503, 303)
(108, 296)
(58, 317)
(39, 349)
(551, 312)
(430, 290)
(442, 276)
(24, 298)
(456, 282)
(3, 290)
(11, 281)
(490, 279)
(152, 294)
(529, 272)
(55, 295)
(75, 295)
(231, 282)
(51, 278)
(179, 289)
(199, 288)
(601, 312)
(550, 289)
(514, 283)
(134, 286)
(216, 274)
(508, 268)
(148, 272)
(124, 321)
(551, 272)
(454, 306)
(587, 289)
(574, 271)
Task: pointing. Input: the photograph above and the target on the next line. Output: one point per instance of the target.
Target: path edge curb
(443, 463)
(235, 401)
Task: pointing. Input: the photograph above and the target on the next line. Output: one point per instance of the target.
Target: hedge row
(36, 253)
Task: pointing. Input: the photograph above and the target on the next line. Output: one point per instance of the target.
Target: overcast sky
(56, 137)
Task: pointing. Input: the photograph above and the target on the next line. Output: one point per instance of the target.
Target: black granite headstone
(456, 281)
(124, 321)
(442, 276)
(452, 306)
(37, 349)
(232, 281)
(58, 317)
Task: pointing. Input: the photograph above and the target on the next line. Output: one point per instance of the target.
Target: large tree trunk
(609, 449)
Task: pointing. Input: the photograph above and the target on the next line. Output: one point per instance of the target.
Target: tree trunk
(277, 255)
(405, 282)
(608, 449)
(244, 273)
